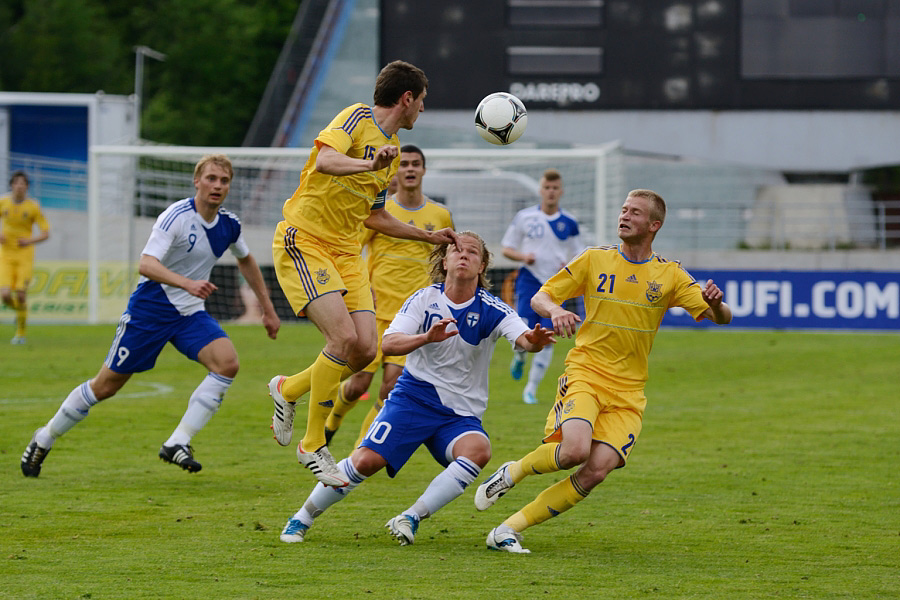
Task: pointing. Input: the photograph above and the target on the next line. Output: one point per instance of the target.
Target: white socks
(324, 496)
(539, 365)
(72, 411)
(449, 484)
(204, 403)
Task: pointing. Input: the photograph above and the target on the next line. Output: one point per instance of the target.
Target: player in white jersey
(168, 306)
(544, 239)
(449, 330)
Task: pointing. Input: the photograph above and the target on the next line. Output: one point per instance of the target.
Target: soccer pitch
(767, 467)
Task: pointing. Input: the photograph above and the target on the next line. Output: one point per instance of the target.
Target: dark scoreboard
(652, 54)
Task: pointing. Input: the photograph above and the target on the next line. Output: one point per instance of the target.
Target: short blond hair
(439, 273)
(552, 175)
(220, 160)
(658, 204)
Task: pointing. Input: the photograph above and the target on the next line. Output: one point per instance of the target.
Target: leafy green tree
(220, 54)
(217, 68)
(64, 46)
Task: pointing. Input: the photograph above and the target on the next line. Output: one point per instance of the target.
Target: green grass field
(768, 466)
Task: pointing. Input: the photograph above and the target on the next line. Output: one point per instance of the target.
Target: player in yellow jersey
(600, 400)
(18, 216)
(397, 269)
(317, 249)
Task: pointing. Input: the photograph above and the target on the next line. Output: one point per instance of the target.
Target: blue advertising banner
(804, 299)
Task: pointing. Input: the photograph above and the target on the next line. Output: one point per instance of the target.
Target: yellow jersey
(17, 221)
(624, 304)
(332, 208)
(397, 267)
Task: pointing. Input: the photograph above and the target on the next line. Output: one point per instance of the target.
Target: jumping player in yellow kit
(18, 216)
(600, 401)
(343, 187)
(397, 268)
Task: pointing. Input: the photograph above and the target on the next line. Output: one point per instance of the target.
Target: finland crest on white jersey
(188, 245)
(456, 368)
(553, 239)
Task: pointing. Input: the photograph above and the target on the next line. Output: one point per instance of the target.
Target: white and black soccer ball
(501, 118)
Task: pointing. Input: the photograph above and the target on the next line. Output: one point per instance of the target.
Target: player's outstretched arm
(331, 162)
(250, 270)
(400, 344)
(535, 339)
(517, 255)
(564, 321)
(384, 222)
(718, 312)
(151, 268)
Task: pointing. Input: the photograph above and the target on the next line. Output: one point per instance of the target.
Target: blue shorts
(404, 424)
(527, 286)
(139, 340)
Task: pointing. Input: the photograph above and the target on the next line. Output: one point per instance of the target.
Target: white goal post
(129, 186)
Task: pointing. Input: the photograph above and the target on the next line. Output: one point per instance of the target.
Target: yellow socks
(325, 377)
(541, 460)
(555, 500)
(21, 309)
(296, 386)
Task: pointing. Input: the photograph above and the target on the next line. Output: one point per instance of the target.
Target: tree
(220, 54)
(64, 46)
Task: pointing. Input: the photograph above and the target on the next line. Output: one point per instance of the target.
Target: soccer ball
(501, 118)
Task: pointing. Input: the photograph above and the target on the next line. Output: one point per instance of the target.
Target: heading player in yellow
(317, 249)
(600, 400)
(18, 216)
(398, 268)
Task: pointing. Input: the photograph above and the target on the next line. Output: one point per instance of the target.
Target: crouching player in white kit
(448, 330)
(168, 306)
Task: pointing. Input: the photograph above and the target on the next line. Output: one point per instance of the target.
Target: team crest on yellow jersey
(569, 406)
(654, 291)
(322, 276)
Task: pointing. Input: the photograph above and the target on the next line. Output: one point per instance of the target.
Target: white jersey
(457, 368)
(186, 244)
(552, 239)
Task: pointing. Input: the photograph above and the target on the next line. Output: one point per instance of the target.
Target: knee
(480, 456)
(590, 476)
(367, 462)
(345, 343)
(365, 352)
(571, 455)
(103, 389)
(229, 369)
(475, 448)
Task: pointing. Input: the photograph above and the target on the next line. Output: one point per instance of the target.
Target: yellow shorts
(306, 270)
(16, 272)
(381, 326)
(615, 415)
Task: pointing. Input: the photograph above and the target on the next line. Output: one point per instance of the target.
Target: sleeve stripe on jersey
(299, 264)
(410, 299)
(230, 215)
(492, 300)
(355, 117)
(173, 216)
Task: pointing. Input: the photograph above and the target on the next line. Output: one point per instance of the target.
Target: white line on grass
(155, 389)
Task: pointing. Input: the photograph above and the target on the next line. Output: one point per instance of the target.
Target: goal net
(129, 186)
